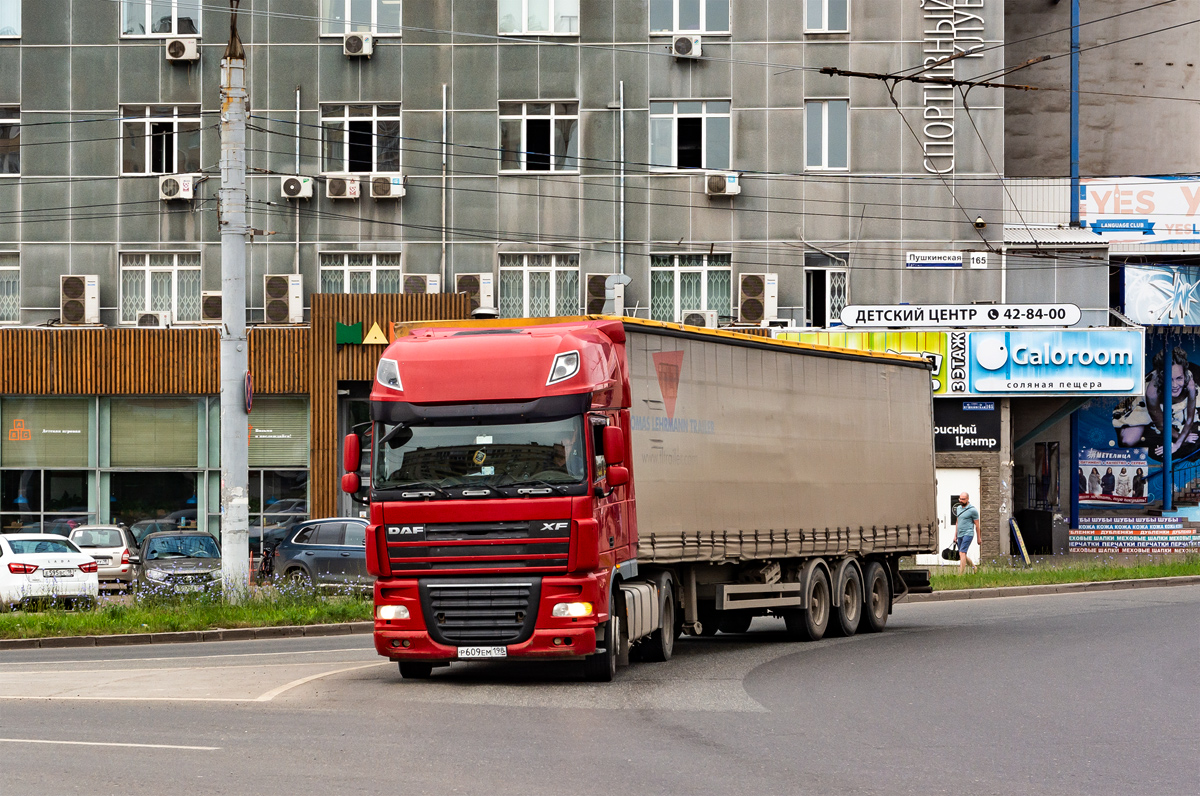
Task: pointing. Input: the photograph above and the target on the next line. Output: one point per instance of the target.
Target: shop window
(10, 141)
(360, 139)
(154, 432)
(361, 272)
(539, 285)
(689, 16)
(155, 501)
(278, 499)
(160, 139)
(44, 432)
(378, 17)
(43, 501)
(692, 134)
(683, 282)
(279, 433)
(10, 286)
(539, 16)
(539, 136)
(10, 18)
(160, 17)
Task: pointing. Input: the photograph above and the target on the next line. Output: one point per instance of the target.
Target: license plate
(482, 652)
(185, 587)
(103, 560)
(59, 573)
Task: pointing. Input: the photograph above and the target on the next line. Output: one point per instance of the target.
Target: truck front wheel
(602, 667)
(877, 598)
(810, 622)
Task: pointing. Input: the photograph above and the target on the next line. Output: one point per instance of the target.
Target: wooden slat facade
(285, 360)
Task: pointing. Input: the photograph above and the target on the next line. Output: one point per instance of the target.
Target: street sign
(957, 316)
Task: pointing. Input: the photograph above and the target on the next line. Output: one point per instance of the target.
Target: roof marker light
(565, 366)
(388, 374)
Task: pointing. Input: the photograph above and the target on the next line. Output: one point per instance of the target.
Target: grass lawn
(265, 608)
(1049, 570)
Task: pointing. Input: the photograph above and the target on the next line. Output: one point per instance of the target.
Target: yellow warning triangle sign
(375, 336)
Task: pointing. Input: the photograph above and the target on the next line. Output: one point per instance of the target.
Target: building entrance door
(951, 482)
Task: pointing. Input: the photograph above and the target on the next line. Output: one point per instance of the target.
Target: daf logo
(555, 526)
(405, 530)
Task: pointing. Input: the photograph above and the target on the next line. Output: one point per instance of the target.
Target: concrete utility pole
(235, 424)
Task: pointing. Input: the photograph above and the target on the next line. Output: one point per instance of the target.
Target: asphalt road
(1095, 693)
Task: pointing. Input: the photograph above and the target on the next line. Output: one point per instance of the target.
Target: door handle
(345, 555)
(308, 552)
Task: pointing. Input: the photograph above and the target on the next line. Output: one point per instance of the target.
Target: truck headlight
(565, 366)
(572, 609)
(392, 612)
(388, 374)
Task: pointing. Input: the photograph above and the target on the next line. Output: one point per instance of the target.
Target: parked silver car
(115, 550)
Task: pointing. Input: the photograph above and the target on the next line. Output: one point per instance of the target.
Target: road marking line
(102, 743)
(274, 692)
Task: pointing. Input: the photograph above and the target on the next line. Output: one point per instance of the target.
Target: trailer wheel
(847, 616)
(415, 670)
(602, 667)
(876, 599)
(810, 622)
(660, 645)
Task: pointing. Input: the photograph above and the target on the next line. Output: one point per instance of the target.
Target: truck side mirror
(617, 476)
(614, 446)
(351, 454)
(351, 483)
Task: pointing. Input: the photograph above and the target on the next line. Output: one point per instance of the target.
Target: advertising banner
(1066, 362)
(965, 426)
(959, 315)
(1163, 295)
(1142, 209)
(931, 345)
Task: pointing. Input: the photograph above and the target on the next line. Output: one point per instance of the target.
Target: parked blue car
(325, 554)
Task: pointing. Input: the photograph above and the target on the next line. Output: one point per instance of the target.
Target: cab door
(609, 501)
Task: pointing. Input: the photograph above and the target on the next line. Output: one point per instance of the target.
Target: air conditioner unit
(296, 187)
(595, 295)
(342, 186)
(685, 46)
(421, 283)
(210, 306)
(722, 183)
(705, 318)
(78, 299)
(758, 298)
(283, 298)
(358, 44)
(183, 49)
(480, 288)
(154, 320)
(387, 186)
(177, 186)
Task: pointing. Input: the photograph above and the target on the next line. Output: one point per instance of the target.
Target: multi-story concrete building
(529, 143)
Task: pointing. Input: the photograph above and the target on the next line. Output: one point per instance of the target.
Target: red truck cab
(501, 497)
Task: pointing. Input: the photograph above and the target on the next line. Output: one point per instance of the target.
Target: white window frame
(10, 262)
(350, 27)
(558, 263)
(840, 268)
(346, 268)
(144, 117)
(525, 31)
(704, 115)
(702, 30)
(375, 118)
(707, 266)
(822, 25)
(17, 123)
(12, 4)
(145, 267)
(187, 5)
(824, 103)
(525, 116)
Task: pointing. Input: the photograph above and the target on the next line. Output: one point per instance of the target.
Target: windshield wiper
(423, 489)
(393, 431)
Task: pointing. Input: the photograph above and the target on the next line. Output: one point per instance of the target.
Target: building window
(539, 16)
(160, 17)
(160, 139)
(684, 282)
(10, 18)
(689, 16)
(161, 282)
(826, 289)
(378, 17)
(827, 134)
(10, 287)
(539, 285)
(360, 272)
(827, 16)
(10, 141)
(359, 139)
(689, 134)
(539, 136)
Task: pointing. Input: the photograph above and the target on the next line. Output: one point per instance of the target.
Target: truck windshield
(495, 455)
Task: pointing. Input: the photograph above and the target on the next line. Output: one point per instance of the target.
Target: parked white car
(39, 566)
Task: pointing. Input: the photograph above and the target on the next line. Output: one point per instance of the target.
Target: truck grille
(480, 612)
(537, 545)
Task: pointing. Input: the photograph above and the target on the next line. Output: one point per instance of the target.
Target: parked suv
(329, 553)
(114, 548)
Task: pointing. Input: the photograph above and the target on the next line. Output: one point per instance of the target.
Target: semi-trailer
(595, 487)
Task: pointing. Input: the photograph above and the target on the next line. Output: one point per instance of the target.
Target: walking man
(968, 529)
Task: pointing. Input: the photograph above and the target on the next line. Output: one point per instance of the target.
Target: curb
(1056, 588)
(188, 636)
